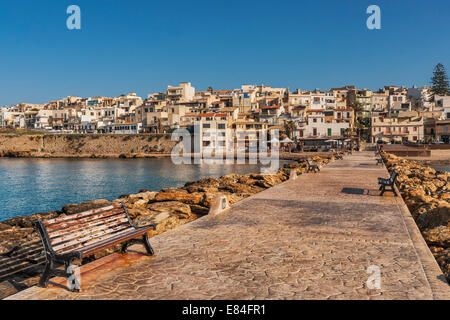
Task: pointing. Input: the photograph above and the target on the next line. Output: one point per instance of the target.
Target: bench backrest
(69, 233)
(394, 175)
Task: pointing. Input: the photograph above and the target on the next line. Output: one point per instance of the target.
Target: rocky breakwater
(21, 251)
(427, 194)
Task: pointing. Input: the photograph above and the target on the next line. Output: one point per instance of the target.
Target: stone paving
(309, 238)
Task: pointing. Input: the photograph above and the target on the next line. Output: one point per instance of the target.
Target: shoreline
(27, 155)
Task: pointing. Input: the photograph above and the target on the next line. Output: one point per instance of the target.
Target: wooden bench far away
(80, 235)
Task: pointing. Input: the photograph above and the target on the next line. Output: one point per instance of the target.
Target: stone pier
(320, 236)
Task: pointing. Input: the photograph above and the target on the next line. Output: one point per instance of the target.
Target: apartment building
(441, 102)
(380, 101)
(364, 99)
(406, 126)
(183, 92)
(420, 98)
(270, 114)
(213, 134)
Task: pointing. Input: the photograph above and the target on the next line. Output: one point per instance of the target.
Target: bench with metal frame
(312, 167)
(80, 235)
(388, 183)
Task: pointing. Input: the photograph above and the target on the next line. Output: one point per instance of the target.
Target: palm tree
(289, 127)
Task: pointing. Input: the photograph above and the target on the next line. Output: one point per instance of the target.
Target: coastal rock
(266, 180)
(206, 182)
(156, 218)
(440, 215)
(28, 221)
(85, 206)
(146, 195)
(439, 236)
(199, 210)
(427, 194)
(177, 208)
(188, 198)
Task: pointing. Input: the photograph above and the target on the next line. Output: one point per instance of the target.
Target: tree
(439, 81)
(289, 128)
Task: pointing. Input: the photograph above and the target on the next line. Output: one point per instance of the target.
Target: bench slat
(65, 225)
(80, 215)
(89, 224)
(90, 249)
(88, 231)
(94, 238)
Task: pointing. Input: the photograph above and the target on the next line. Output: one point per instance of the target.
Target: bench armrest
(131, 221)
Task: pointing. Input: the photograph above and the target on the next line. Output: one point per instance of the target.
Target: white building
(213, 133)
(124, 128)
(183, 92)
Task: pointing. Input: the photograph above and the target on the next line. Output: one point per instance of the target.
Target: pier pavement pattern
(309, 238)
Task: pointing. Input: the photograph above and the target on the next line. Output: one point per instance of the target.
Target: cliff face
(72, 145)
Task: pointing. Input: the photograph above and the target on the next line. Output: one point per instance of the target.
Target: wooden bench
(388, 183)
(80, 235)
(312, 167)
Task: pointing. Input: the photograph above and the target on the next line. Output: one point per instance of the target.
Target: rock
(266, 180)
(200, 210)
(85, 206)
(157, 218)
(28, 221)
(439, 236)
(185, 197)
(146, 195)
(440, 215)
(174, 207)
(4, 226)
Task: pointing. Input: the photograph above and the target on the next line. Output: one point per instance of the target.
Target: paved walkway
(311, 238)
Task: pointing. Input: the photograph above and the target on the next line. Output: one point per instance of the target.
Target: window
(314, 131)
(221, 126)
(206, 125)
(329, 131)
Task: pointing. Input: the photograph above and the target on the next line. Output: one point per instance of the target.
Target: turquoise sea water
(30, 186)
(442, 168)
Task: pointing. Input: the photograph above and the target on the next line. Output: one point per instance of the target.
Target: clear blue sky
(143, 46)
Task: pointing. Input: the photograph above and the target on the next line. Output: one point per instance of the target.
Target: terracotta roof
(212, 115)
(270, 107)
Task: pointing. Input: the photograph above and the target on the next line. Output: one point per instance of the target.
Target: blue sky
(143, 46)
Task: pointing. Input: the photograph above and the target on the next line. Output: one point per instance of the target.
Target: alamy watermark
(212, 146)
(374, 20)
(374, 280)
(74, 280)
(73, 22)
